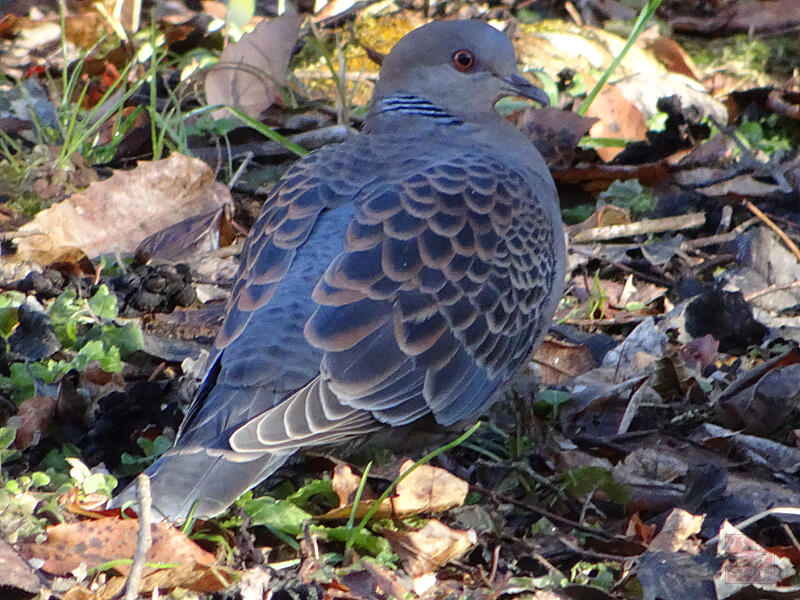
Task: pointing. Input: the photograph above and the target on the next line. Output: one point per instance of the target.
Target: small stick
(781, 234)
(609, 232)
(144, 539)
(771, 290)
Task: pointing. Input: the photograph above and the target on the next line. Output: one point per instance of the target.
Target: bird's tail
(211, 478)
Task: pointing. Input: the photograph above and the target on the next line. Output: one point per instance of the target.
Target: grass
(648, 10)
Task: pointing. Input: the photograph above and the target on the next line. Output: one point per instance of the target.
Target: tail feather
(212, 478)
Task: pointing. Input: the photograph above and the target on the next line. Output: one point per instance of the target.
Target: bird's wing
(238, 384)
(445, 281)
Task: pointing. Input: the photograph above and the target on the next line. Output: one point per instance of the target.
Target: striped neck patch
(414, 105)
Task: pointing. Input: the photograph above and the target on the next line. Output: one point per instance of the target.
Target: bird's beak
(519, 86)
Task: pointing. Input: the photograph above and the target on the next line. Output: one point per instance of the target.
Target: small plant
(88, 482)
(629, 194)
(595, 574)
(548, 403)
(86, 331)
(598, 298)
(131, 465)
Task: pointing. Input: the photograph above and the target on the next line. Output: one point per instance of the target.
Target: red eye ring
(463, 60)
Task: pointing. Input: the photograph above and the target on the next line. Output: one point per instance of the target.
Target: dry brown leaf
(672, 56)
(619, 118)
(118, 213)
(346, 483)
(251, 71)
(555, 132)
(197, 578)
(33, 420)
(679, 527)
(561, 360)
(14, 573)
(425, 550)
(639, 531)
(428, 489)
(189, 239)
(96, 542)
(747, 563)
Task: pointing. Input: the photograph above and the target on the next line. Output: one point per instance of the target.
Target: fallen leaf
(672, 56)
(428, 489)
(618, 118)
(346, 483)
(33, 420)
(96, 542)
(251, 71)
(118, 213)
(194, 577)
(679, 527)
(425, 550)
(555, 132)
(776, 394)
(14, 573)
(746, 563)
(561, 360)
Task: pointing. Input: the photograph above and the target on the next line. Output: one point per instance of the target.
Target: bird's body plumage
(406, 272)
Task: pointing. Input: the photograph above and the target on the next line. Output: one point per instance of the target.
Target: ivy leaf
(128, 338)
(65, 313)
(278, 514)
(104, 303)
(8, 319)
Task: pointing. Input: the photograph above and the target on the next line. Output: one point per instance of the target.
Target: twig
(771, 290)
(609, 232)
(144, 540)
(719, 238)
(247, 158)
(769, 222)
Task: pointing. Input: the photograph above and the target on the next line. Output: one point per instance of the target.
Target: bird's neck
(402, 106)
(420, 117)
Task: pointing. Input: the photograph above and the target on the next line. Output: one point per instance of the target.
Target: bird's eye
(463, 60)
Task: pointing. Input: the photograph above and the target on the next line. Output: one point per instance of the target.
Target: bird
(403, 274)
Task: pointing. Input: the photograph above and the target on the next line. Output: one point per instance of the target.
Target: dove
(403, 274)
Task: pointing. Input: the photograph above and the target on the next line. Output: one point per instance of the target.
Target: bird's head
(464, 67)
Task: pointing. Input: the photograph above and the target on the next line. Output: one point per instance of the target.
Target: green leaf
(279, 514)
(364, 540)
(111, 362)
(11, 299)
(91, 352)
(99, 482)
(128, 338)
(65, 313)
(315, 487)
(22, 384)
(104, 303)
(40, 479)
(7, 437)
(577, 214)
(49, 370)
(8, 320)
(629, 194)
